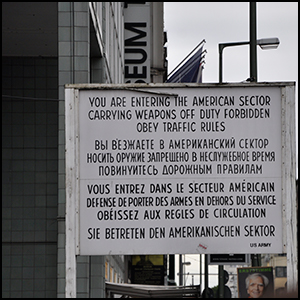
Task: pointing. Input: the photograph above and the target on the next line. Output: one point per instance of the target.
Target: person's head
(256, 284)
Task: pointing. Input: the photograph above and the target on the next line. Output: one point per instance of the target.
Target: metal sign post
(72, 192)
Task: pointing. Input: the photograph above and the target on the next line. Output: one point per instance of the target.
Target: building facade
(46, 45)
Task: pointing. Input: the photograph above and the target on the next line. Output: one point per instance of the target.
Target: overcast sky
(188, 23)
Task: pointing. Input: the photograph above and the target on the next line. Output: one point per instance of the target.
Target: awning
(151, 291)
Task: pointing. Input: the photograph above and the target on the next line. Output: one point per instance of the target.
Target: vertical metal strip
(70, 194)
(289, 185)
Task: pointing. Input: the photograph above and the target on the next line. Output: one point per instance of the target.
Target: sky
(188, 23)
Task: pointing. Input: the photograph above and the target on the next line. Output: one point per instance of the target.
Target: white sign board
(179, 170)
